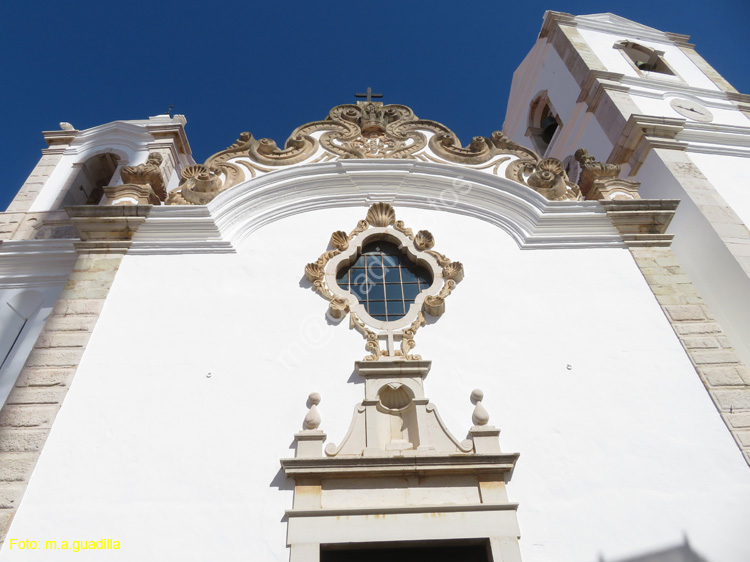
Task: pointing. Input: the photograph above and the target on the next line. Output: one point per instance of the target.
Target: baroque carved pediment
(371, 130)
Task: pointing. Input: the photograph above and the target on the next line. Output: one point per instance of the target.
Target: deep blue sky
(267, 67)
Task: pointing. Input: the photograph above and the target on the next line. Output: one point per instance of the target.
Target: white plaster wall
(584, 132)
(622, 452)
(727, 174)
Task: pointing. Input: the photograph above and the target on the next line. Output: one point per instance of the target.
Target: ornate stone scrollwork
(479, 150)
(198, 186)
(601, 180)
(407, 340)
(546, 176)
(142, 184)
(381, 224)
(372, 130)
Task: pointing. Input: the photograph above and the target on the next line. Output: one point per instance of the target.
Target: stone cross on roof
(368, 95)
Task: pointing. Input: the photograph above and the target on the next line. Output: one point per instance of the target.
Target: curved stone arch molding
(117, 135)
(124, 140)
(227, 221)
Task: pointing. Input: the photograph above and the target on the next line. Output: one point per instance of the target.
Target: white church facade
(375, 342)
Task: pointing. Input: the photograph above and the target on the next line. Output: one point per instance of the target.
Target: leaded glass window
(384, 280)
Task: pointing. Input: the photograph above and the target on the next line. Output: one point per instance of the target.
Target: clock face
(691, 110)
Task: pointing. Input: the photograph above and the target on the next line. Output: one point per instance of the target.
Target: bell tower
(646, 100)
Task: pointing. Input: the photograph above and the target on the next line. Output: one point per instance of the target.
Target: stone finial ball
(314, 398)
(477, 395)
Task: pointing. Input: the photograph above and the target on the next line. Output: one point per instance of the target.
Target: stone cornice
(180, 229)
(35, 263)
(596, 83)
(411, 465)
(641, 134)
(382, 510)
(642, 222)
(171, 129)
(64, 136)
(655, 88)
(106, 229)
(532, 220)
(613, 24)
(710, 138)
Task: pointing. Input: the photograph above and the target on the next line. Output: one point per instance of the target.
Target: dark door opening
(417, 551)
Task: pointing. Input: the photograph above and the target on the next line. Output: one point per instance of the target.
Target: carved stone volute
(147, 174)
(601, 180)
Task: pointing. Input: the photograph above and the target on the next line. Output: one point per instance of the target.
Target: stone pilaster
(725, 377)
(31, 408)
(642, 224)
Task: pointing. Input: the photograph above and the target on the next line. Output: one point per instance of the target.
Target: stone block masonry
(725, 377)
(29, 412)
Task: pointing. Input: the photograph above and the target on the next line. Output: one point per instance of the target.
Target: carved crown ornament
(367, 130)
(386, 278)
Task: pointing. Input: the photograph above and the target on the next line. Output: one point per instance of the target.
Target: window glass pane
(376, 292)
(375, 274)
(396, 308)
(393, 274)
(357, 276)
(359, 291)
(408, 276)
(411, 290)
(382, 271)
(393, 291)
(376, 307)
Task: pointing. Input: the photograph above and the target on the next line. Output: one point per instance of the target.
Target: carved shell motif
(313, 272)
(381, 214)
(434, 305)
(203, 179)
(454, 270)
(424, 240)
(395, 396)
(340, 240)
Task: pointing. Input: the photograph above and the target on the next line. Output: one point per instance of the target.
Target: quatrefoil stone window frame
(398, 335)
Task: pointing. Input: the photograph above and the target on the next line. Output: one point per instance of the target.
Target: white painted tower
(645, 99)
